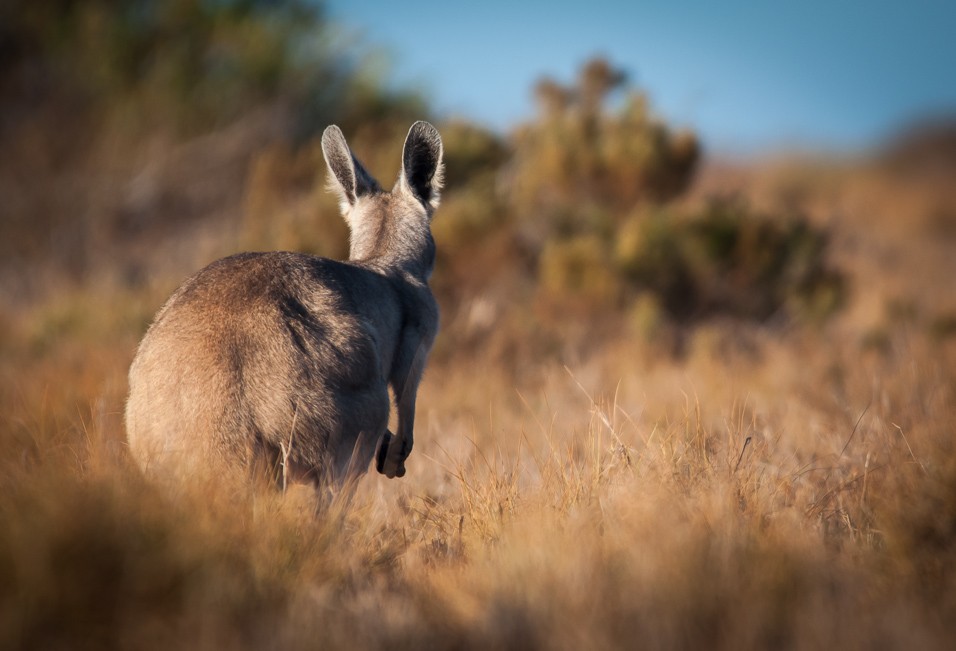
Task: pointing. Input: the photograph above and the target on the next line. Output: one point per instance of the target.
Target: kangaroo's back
(283, 360)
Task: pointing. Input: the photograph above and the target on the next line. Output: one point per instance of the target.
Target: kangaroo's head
(389, 227)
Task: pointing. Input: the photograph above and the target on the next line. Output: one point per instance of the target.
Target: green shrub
(585, 198)
(729, 260)
(581, 153)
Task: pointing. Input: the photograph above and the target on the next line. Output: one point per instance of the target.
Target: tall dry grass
(767, 489)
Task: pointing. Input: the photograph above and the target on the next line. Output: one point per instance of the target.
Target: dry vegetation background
(676, 403)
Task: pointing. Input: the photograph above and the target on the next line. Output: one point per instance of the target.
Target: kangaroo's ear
(348, 178)
(422, 164)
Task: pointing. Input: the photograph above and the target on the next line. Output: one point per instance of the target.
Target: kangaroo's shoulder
(249, 278)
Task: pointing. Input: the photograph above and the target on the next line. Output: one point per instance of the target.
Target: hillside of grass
(676, 402)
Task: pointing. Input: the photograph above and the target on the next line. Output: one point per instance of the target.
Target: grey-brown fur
(285, 359)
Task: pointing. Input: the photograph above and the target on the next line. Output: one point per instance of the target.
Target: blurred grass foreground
(676, 402)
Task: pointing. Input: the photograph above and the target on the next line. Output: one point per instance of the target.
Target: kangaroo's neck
(414, 266)
(393, 240)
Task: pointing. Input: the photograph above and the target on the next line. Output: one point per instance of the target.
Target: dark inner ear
(420, 159)
(365, 183)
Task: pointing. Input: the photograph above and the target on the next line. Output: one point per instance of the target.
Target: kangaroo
(283, 360)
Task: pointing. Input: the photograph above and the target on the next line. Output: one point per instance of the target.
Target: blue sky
(747, 76)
